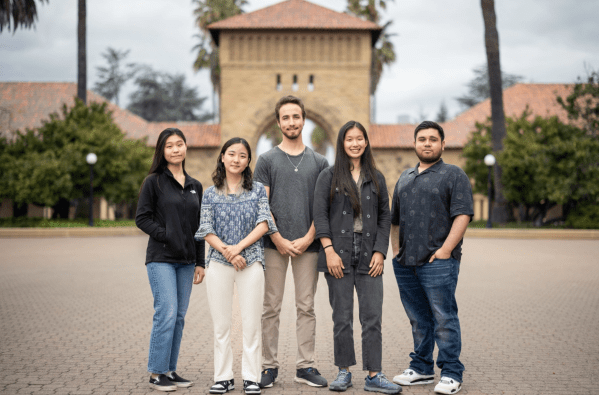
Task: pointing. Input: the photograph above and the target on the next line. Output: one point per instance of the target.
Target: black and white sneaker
(251, 387)
(178, 380)
(311, 377)
(162, 383)
(221, 387)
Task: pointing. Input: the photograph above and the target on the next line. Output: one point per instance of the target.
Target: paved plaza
(76, 314)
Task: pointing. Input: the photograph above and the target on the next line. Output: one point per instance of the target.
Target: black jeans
(370, 302)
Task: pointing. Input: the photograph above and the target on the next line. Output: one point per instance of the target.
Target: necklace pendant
(295, 169)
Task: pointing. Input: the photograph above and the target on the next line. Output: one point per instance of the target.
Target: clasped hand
(231, 254)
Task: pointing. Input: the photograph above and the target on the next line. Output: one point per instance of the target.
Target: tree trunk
(81, 53)
(500, 209)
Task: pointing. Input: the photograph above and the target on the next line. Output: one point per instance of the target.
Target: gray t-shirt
(291, 192)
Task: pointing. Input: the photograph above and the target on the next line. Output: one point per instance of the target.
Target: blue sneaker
(342, 382)
(380, 383)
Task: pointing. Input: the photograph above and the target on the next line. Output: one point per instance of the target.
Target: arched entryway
(317, 134)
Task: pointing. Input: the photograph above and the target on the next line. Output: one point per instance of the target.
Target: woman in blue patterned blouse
(235, 215)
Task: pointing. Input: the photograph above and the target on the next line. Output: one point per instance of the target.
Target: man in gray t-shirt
(289, 173)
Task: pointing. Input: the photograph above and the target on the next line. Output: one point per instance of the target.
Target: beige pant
(250, 287)
(305, 277)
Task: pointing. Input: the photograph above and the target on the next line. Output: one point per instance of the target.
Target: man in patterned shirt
(432, 206)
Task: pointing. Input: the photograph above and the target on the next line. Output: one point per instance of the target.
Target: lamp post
(490, 162)
(91, 160)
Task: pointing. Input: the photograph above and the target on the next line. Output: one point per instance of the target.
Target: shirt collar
(434, 168)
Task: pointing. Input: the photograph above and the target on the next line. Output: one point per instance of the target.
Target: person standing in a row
(169, 211)
(432, 206)
(235, 216)
(352, 220)
(289, 172)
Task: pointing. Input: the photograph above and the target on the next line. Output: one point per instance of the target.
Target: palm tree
(500, 211)
(22, 12)
(384, 52)
(207, 12)
(81, 53)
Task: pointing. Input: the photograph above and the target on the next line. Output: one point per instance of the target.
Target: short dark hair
(429, 125)
(289, 100)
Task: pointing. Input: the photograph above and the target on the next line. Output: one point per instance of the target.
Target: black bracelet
(330, 245)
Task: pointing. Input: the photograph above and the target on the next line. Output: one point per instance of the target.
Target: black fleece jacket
(170, 214)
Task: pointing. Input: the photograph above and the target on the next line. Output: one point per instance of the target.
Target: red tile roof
(540, 98)
(294, 14)
(30, 103)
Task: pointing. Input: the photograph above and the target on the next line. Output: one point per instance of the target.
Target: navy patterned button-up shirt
(424, 206)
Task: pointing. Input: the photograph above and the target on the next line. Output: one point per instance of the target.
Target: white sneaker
(410, 377)
(448, 386)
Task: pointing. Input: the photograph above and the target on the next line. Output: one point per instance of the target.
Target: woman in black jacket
(352, 220)
(169, 211)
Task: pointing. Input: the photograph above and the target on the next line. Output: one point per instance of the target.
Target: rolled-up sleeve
(264, 210)
(206, 218)
(461, 202)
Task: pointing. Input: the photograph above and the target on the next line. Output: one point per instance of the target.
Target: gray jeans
(370, 302)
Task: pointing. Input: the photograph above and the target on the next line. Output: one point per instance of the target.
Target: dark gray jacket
(336, 220)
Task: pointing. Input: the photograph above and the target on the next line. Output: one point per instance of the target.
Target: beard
(292, 136)
(429, 159)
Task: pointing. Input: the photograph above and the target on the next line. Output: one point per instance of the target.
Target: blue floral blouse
(232, 218)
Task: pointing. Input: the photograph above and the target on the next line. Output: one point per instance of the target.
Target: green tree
(18, 13)
(583, 103)
(47, 166)
(207, 12)
(115, 75)
(164, 97)
(475, 150)
(383, 54)
(546, 162)
(478, 87)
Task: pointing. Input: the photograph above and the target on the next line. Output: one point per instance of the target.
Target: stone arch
(267, 121)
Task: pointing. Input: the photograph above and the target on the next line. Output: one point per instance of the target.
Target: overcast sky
(437, 43)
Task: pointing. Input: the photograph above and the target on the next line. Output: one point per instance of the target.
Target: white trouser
(250, 286)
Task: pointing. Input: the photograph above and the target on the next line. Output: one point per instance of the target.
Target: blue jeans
(428, 296)
(171, 286)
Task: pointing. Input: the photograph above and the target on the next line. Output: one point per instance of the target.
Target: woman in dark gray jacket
(169, 211)
(352, 220)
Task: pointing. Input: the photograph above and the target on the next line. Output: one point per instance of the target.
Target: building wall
(200, 163)
(252, 62)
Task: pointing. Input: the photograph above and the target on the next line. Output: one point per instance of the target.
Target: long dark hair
(220, 174)
(159, 163)
(342, 178)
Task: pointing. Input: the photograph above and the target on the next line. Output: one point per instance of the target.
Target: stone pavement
(76, 313)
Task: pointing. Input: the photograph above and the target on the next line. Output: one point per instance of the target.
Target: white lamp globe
(92, 158)
(489, 160)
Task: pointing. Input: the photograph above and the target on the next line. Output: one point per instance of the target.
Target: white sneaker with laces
(411, 377)
(448, 385)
